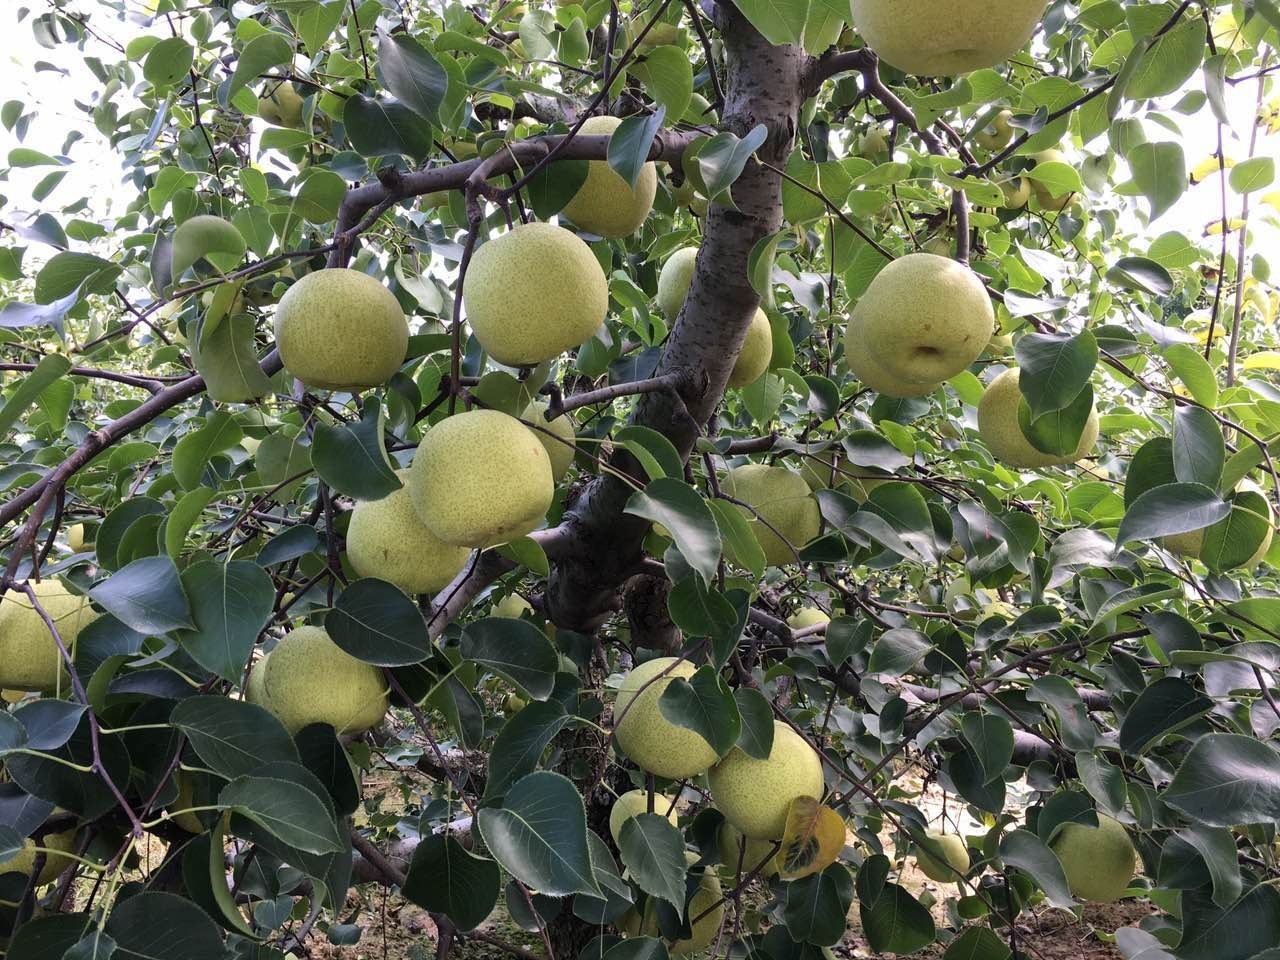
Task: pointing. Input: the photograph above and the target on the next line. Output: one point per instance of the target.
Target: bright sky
(96, 172)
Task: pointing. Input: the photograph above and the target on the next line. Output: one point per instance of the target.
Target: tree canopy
(664, 470)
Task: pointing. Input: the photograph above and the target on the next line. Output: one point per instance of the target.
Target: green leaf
(1233, 542)
(412, 74)
(445, 877)
(67, 272)
(168, 62)
(1160, 174)
(817, 906)
(555, 185)
(375, 622)
(230, 604)
(1170, 61)
(668, 77)
(351, 458)
(514, 649)
(316, 22)
(1217, 848)
(539, 835)
(49, 369)
(287, 810)
(655, 452)
(1199, 452)
(1139, 273)
(1171, 508)
(653, 852)
(1168, 704)
(977, 943)
(1055, 369)
(756, 736)
(259, 55)
(1027, 852)
(991, 738)
(740, 544)
(231, 736)
(896, 922)
(226, 357)
(1194, 372)
(1253, 174)
(721, 161)
(206, 237)
(778, 21)
(679, 508)
(1077, 730)
(898, 651)
(191, 454)
(147, 596)
(1243, 931)
(630, 143)
(1227, 779)
(162, 926)
(520, 744)
(705, 705)
(378, 128)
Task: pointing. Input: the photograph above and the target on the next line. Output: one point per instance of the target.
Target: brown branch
(150, 384)
(560, 405)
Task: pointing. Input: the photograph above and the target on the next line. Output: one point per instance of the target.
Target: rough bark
(765, 85)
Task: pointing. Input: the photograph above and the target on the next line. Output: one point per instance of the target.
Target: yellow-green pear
(280, 104)
(513, 704)
(29, 656)
(923, 319)
(827, 471)
(807, 616)
(75, 538)
(707, 899)
(341, 329)
(1017, 192)
(998, 426)
(948, 862)
(559, 451)
(387, 540)
(187, 819)
(757, 351)
(729, 844)
(635, 802)
(480, 479)
(873, 144)
(922, 38)
(1248, 499)
(533, 293)
(754, 795)
(657, 745)
(310, 679)
(255, 688)
(996, 134)
(56, 846)
(512, 607)
(606, 204)
(675, 279)
(1098, 861)
(1046, 199)
(783, 501)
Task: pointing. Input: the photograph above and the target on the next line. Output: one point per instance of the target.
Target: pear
(996, 134)
(920, 37)
(868, 370)
(703, 932)
(29, 656)
(1000, 431)
(559, 451)
(511, 607)
(386, 539)
(606, 204)
(783, 500)
(310, 679)
(807, 616)
(755, 795)
(480, 479)
(1046, 198)
(280, 104)
(1017, 192)
(923, 319)
(657, 745)
(635, 802)
(340, 329)
(947, 862)
(1098, 861)
(533, 293)
(873, 144)
(56, 846)
(729, 845)
(757, 351)
(675, 279)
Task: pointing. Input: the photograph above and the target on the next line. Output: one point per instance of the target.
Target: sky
(96, 172)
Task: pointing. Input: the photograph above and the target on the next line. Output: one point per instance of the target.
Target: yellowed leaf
(1266, 360)
(813, 839)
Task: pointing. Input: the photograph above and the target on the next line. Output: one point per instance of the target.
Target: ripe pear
(29, 656)
(310, 679)
(923, 319)
(807, 616)
(783, 500)
(951, 861)
(869, 371)
(757, 351)
(873, 145)
(56, 845)
(280, 104)
(635, 802)
(480, 479)
(387, 540)
(255, 688)
(342, 330)
(512, 607)
(75, 538)
(1191, 544)
(703, 932)
(754, 794)
(657, 745)
(996, 134)
(606, 204)
(921, 38)
(533, 293)
(1046, 199)
(1017, 192)
(1098, 861)
(729, 844)
(998, 426)
(560, 454)
(674, 281)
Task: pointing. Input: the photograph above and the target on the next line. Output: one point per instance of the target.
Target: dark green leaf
(289, 810)
(412, 74)
(515, 649)
(1199, 452)
(147, 596)
(445, 877)
(1171, 508)
(630, 143)
(896, 922)
(163, 926)
(1168, 704)
(1227, 779)
(756, 736)
(991, 738)
(679, 508)
(259, 55)
(351, 459)
(375, 622)
(1054, 369)
(1248, 927)
(231, 603)
(653, 852)
(521, 743)
(231, 736)
(705, 705)
(1026, 851)
(817, 906)
(378, 128)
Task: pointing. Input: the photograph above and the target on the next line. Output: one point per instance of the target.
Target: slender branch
(150, 384)
(560, 405)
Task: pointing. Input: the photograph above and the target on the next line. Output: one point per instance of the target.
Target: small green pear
(947, 862)
(635, 802)
(998, 425)
(1098, 861)
(641, 731)
(996, 134)
(781, 510)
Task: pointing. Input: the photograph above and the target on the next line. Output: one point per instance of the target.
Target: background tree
(445, 364)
